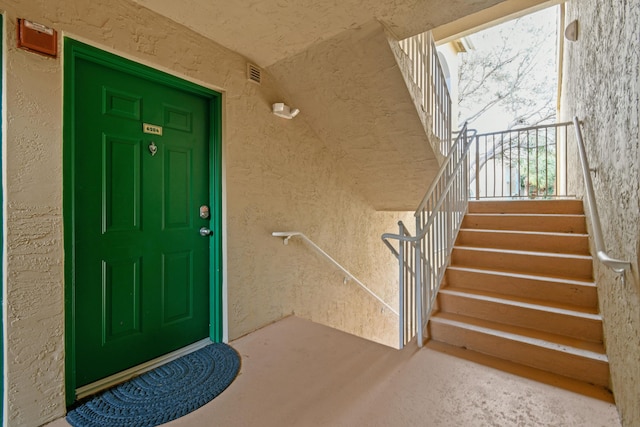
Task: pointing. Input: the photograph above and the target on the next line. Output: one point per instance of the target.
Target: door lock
(204, 232)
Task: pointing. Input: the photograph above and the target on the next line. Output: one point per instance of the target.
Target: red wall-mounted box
(37, 38)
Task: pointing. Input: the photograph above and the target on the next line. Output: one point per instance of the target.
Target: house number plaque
(152, 129)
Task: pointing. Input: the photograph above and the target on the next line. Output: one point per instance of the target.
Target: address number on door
(152, 129)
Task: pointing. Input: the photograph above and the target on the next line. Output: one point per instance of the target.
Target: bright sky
(536, 34)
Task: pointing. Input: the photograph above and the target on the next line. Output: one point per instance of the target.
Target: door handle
(204, 232)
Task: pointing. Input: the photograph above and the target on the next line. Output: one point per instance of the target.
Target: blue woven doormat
(163, 394)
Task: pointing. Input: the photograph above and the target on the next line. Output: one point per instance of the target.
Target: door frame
(2, 251)
(74, 50)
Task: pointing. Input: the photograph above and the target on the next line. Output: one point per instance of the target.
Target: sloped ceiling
(267, 31)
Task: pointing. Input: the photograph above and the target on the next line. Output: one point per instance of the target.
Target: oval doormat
(163, 394)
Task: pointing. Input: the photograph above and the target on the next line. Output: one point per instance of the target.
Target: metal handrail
(405, 254)
(289, 234)
(440, 214)
(527, 162)
(432, 188)
(470, 134)
(617, 265)
(550, 125)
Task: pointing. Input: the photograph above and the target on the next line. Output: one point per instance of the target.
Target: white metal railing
(528, 162)
(532, 162)
(619, 266)
(406, 284)
(286, 235)
(426, 73)
(423, 258)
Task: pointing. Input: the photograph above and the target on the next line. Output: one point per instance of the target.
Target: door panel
(177, 270)
(121, 182)
(121, 290)
(177, 183)
(141, 266)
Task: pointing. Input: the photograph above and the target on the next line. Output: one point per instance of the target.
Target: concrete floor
(298, 373)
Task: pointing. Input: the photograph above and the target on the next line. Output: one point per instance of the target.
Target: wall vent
(254, 73)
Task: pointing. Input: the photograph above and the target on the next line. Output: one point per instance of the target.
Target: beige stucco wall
(355, 98)
(602, 87)
(279, 176)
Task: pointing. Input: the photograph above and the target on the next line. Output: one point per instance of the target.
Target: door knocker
(153, 148)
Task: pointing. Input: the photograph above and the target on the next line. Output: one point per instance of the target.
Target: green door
(141, 175)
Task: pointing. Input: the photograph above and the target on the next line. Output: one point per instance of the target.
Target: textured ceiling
(267, 31)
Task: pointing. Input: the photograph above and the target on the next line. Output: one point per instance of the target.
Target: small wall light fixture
(280, 109)
(571, 32)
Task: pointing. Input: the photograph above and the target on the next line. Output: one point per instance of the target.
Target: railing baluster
(477, 139)
(426, 73)
(546, 162)
(437, 223)
(517, 152)
(401, 289)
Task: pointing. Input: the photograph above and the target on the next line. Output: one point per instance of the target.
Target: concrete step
(520, 288)
(552, 223)
(567, 321)
(559, 291)
(568, 206)
(569, 266)
(555, 380)
(539, 350)
(566, 243)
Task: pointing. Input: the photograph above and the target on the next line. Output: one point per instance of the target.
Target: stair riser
(567, 243)
(557, 323)
(573, 207)
(555, 292)
(553, 224)
(569, 365)
(545, 265)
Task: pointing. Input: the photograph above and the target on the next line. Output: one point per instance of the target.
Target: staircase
(520, 289)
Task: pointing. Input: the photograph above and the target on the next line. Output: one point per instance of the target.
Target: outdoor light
(571, 32)
(280, 109)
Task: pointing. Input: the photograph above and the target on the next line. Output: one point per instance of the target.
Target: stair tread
(535, 304)
(525, 232)
(527, 214)
(586, 349)
(560, 280)
(520, 252)
(556, 242)
(506, 206)
(535, 374)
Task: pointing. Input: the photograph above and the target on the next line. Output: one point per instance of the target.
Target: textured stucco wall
(602, 87)
(269, 31)
(354, 96)
(279, 176)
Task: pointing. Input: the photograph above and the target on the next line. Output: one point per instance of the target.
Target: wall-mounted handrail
(617, 265)
(286, 235)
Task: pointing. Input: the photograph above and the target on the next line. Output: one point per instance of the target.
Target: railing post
(466, 174)
(418, 279)
(477, 138)
(401, 297)
(428, 105)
